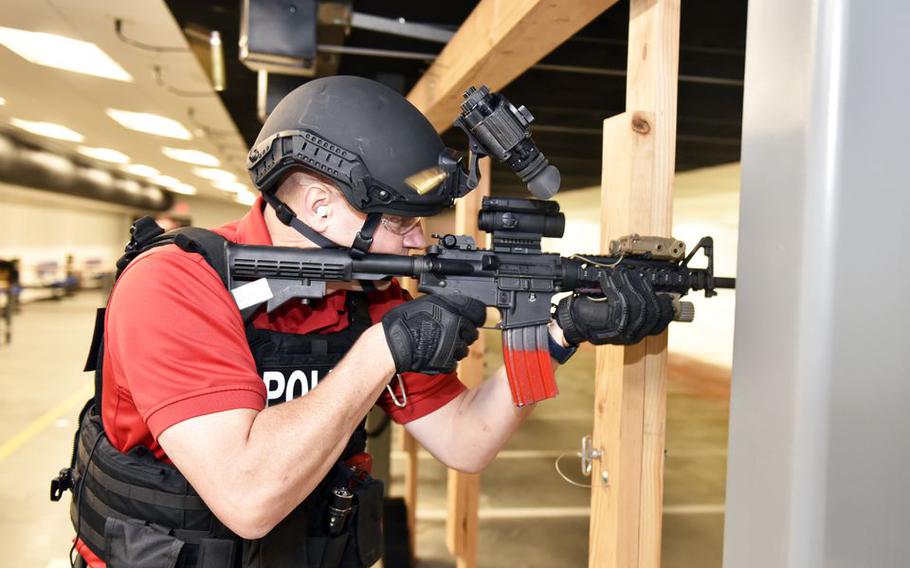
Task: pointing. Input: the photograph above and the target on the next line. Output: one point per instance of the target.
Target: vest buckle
(62, 483)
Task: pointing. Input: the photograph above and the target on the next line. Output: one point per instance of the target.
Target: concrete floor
(529, 516)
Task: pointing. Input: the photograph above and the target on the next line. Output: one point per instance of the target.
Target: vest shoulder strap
(359, 311)
(208, 244)
(146, 234)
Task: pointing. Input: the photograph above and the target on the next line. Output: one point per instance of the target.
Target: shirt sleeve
(425, 393)
(178, 342)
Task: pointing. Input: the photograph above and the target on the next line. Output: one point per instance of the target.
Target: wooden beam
(463, 489)
(410, 446)
(498, 42)
(630, 397)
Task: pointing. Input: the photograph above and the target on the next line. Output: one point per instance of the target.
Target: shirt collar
(252, 230)
(324, 315)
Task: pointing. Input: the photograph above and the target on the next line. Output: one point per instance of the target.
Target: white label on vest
(252, 293)
(281, 389)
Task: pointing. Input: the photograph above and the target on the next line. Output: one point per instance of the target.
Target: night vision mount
(495, 127)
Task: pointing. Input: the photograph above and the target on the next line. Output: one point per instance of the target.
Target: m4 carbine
(513, 276)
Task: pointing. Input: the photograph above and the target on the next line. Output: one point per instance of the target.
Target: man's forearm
(299, 441)
(485, 420)
(285, 450)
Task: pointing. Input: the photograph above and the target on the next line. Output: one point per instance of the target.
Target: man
(195, 400)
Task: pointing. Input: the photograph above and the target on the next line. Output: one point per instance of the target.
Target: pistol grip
(526, 355)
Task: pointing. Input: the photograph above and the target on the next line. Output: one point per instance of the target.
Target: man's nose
(415, 239)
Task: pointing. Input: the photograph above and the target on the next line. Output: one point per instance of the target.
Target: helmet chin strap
(359, 248)
(287, 216)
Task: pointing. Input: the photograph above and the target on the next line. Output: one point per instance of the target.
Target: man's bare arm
(252, 468)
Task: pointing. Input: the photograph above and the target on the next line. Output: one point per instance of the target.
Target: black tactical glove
(629, 311)
(432, 333)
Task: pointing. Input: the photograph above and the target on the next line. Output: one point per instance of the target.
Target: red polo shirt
(175, 346)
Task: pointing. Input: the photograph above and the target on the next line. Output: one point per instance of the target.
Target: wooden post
(463, 489)
(630, 399)
(410, 447)
(499, 41)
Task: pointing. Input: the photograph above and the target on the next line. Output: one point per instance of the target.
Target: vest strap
(146, 495)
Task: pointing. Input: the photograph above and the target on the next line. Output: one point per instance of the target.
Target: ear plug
(322, 211)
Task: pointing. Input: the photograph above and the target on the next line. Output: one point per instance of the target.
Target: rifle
(513, 276)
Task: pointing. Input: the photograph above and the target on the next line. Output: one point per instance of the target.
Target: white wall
(210, 213)
(39, 227)
(819, 442)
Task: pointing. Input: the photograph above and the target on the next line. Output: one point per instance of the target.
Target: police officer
(215, 440)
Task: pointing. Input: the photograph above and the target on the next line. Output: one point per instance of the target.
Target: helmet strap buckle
(284, 213)
(364, 238)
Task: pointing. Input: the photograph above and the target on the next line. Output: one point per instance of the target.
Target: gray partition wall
(819, 461)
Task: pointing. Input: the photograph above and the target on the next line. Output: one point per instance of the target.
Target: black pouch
(327, 551)
(368, 522)
(216, 553)
(285, 546)
(137, 544)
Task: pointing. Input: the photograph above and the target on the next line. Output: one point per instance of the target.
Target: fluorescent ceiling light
(191, 156)
(62, 53)
(232, 186)
(245, 198)
(184, 188)
(150, 123)
(214, 174)
(104, 154)
(2, 101)
(166, 181)
(48, 129)
(140, 170)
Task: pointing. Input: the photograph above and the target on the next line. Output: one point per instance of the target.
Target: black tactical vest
(133, 510)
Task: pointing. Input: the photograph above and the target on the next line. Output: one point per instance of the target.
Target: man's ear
(316, 210)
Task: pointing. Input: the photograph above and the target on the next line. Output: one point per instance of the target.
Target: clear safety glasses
(399, 225)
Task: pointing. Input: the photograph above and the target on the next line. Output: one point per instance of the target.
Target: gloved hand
(432, 333)
(629, 311)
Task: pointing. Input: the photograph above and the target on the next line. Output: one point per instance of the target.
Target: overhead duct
(30, 166)
(288, 38)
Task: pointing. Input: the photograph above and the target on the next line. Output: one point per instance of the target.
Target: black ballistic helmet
(362, 135)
